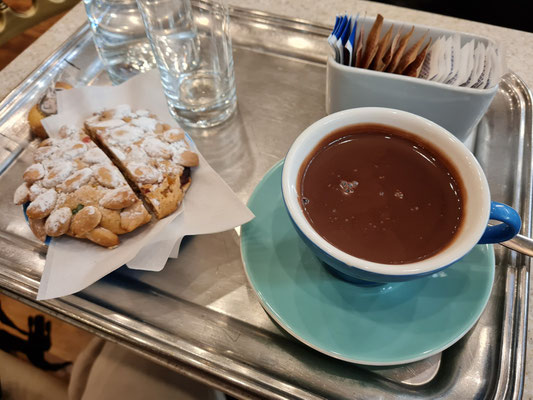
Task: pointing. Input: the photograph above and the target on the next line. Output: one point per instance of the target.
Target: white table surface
(518, 46)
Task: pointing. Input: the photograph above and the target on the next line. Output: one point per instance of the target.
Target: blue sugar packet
(334, 31)
(337, 35)
(350, 44)
(340, 27)
(332, 38)
(343, 38)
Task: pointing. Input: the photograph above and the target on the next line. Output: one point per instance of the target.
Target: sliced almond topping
(134, 216)
(159, 128)
(33, 173)
(103, 237)
(57, 174)
(189, 159)
(58, 222)
(108, 175)
(85, 220)
(43, 205)
(43, 153)
(77, 149)
(22, 194)
(36, 190)
(174, 135)
(37, 227)
(144, 173)
(95, 156)
(156, 148)
(118, 198)
(76, 180)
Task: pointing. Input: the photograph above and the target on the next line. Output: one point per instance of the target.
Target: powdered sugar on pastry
(108, 175)
(22, 194)
(43, 205)
(136, 153)
(144, 173)
(145, 123)
(126, 135)
(142, 113)
(33, 173)
(58, 172)
(35, 190)
(156, 148)
(117, 152)
(76, 180)
(174, 135)
(75, 189)
(58, 222)
(74, 149)
(95, 156)
(150, 153)
(66, 186)
(43, 153)
(109, 123)
(177, 149)
(68, 131)
(122, 111)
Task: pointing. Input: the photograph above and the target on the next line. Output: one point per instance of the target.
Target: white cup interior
(476, 196)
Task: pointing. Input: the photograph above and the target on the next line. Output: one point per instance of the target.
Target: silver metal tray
(199, 315)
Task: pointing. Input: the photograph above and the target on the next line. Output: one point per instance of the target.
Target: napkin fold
(209, 205)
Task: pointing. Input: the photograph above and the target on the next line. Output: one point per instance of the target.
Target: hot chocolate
(380, 194)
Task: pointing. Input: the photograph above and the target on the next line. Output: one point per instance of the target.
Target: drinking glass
(120, 38)
(192, 48)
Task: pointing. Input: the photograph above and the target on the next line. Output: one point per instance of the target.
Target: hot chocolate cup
(478, 207)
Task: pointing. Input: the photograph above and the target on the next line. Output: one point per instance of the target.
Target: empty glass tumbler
(120, 38)
(193, 52)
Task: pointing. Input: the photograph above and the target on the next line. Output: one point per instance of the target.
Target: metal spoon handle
(521, 244)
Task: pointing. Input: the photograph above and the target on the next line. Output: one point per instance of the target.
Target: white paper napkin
(209, 206)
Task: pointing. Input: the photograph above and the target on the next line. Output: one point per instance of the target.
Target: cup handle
(509, 227)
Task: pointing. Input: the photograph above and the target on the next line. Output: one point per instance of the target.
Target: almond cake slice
(73, 188)
(154, 157)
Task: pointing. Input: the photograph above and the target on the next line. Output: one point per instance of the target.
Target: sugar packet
(371, 46)
(343, 38)
(451, 59)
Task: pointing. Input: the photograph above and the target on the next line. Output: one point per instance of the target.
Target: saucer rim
(272, 313)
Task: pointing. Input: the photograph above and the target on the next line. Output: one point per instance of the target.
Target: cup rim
(349, 117)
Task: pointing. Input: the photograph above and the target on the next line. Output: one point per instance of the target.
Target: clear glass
(192, 48)
(120, 38)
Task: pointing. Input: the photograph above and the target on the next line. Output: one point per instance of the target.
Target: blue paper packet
(336, 37)
(350, 44)
(343, 38)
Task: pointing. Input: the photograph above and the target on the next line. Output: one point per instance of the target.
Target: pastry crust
(45, 107)
(151, 154)
(74, 189)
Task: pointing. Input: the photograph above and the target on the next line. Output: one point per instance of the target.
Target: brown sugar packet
(387, 57)
(377, 63)
(414, 68)
(359, 47)
(371, 46)
(410, 55)
(399, 51)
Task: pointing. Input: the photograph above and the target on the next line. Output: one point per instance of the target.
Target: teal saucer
(385, 325)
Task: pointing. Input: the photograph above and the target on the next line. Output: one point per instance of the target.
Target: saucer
(391, 324)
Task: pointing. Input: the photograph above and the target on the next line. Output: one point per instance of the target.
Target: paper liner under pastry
(72, 265)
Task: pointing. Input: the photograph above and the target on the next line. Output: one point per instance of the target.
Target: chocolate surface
(379, 193)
